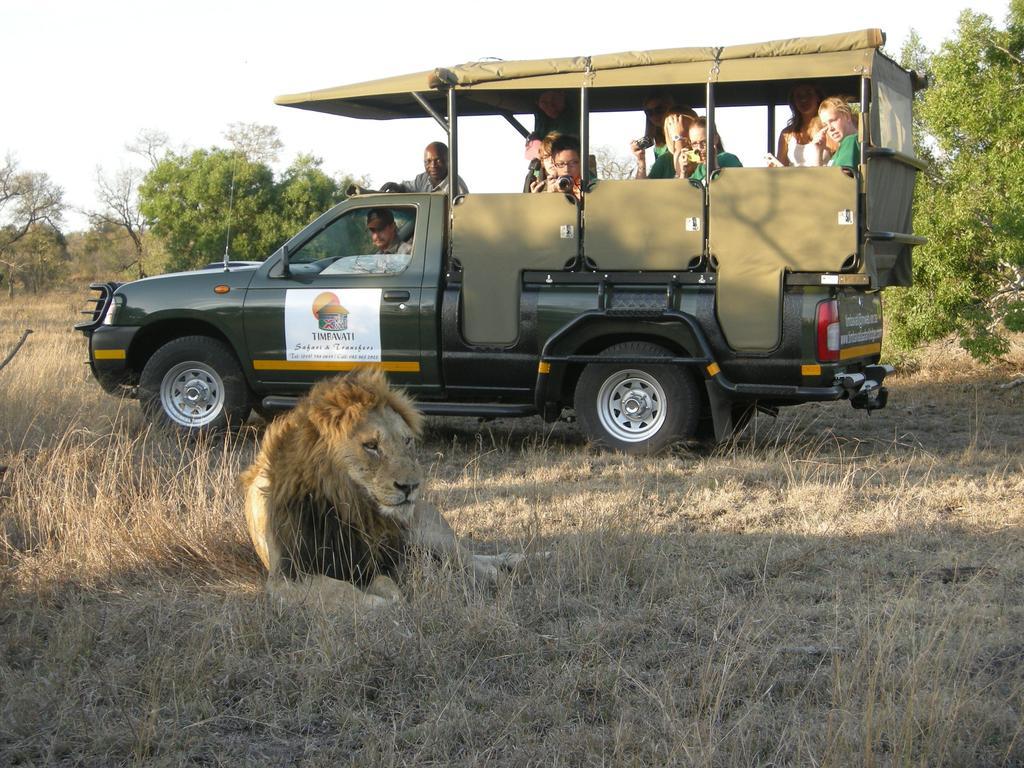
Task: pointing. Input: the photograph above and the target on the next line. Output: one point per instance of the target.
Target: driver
(393, 253)
(384, 232)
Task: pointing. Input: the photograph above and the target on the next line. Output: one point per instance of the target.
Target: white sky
(81, 78)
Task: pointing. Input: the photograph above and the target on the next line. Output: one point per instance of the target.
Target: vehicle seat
(653, 224)
(497, 236)
(765, 222)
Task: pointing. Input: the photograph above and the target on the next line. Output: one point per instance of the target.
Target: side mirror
(285, 269)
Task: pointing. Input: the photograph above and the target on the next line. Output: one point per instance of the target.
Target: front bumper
(109, 359)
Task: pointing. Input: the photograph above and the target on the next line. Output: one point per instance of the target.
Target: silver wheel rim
(192, 394)
(631, 406)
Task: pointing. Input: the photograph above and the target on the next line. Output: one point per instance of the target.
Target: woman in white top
(798, 142)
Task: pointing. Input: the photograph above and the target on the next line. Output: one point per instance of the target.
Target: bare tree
(257, 143)
(611, 165)
(42, 257)
(150, 144)
(119, 196)
(27, 199)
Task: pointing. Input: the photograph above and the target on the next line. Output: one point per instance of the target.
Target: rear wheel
(194, 384)
(637, 408)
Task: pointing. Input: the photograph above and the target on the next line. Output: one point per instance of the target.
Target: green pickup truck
(656, 309)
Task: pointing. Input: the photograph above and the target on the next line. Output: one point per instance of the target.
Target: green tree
(969, 279)
(305, 192)
(199, 203)
(194, 202)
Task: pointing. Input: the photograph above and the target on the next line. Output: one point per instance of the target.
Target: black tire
(194, 384)
(637, 409)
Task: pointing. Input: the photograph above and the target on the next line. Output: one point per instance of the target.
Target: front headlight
(111, 313)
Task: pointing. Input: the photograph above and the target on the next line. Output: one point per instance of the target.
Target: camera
(644, 142)
(564, 183)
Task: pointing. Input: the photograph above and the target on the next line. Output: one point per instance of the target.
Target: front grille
(96, 306)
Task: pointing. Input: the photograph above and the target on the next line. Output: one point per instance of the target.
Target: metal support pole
(584, 137)
(453, 150)
(712, 162)
(430, 111)
(516, 124)
(709, 165)
(865, 118)
(453, 167)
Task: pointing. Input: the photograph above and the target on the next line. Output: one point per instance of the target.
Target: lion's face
(380, 456)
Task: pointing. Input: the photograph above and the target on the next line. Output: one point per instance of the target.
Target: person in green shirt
(841, 127)
(657, 105)
(677, 140)
(699, 142)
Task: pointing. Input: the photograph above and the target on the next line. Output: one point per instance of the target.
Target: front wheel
(637, 408)
(194, 384)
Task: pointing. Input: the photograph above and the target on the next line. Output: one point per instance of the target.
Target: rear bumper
(864, 390)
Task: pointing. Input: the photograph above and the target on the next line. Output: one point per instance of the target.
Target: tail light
(827, 330)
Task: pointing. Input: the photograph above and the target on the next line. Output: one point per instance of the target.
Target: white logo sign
(336, 324)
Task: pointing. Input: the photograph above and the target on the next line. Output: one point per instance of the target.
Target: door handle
(396, 295)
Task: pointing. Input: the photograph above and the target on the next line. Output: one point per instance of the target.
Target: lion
(333, 498)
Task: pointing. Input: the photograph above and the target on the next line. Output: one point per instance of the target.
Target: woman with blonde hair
(841, 129)
(798, 145)
(675, 127)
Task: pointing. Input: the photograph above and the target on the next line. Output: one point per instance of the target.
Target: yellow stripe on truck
(324, 365)
(862, 351)
(109, 354)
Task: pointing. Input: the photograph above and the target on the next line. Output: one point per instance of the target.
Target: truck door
(355, 295)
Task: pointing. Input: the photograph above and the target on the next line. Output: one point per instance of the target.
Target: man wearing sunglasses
(393, 253)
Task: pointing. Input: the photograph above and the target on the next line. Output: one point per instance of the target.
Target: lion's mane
(314, 500)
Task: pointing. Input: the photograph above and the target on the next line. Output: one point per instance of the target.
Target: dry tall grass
(832, 589)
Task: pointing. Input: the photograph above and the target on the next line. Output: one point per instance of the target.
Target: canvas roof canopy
(493, 87)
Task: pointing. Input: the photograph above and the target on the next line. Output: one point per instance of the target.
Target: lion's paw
(484, 571)
(385, 589)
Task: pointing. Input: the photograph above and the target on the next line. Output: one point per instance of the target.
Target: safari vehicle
(656, 310)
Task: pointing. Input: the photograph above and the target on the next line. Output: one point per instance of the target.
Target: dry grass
(832, 589)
